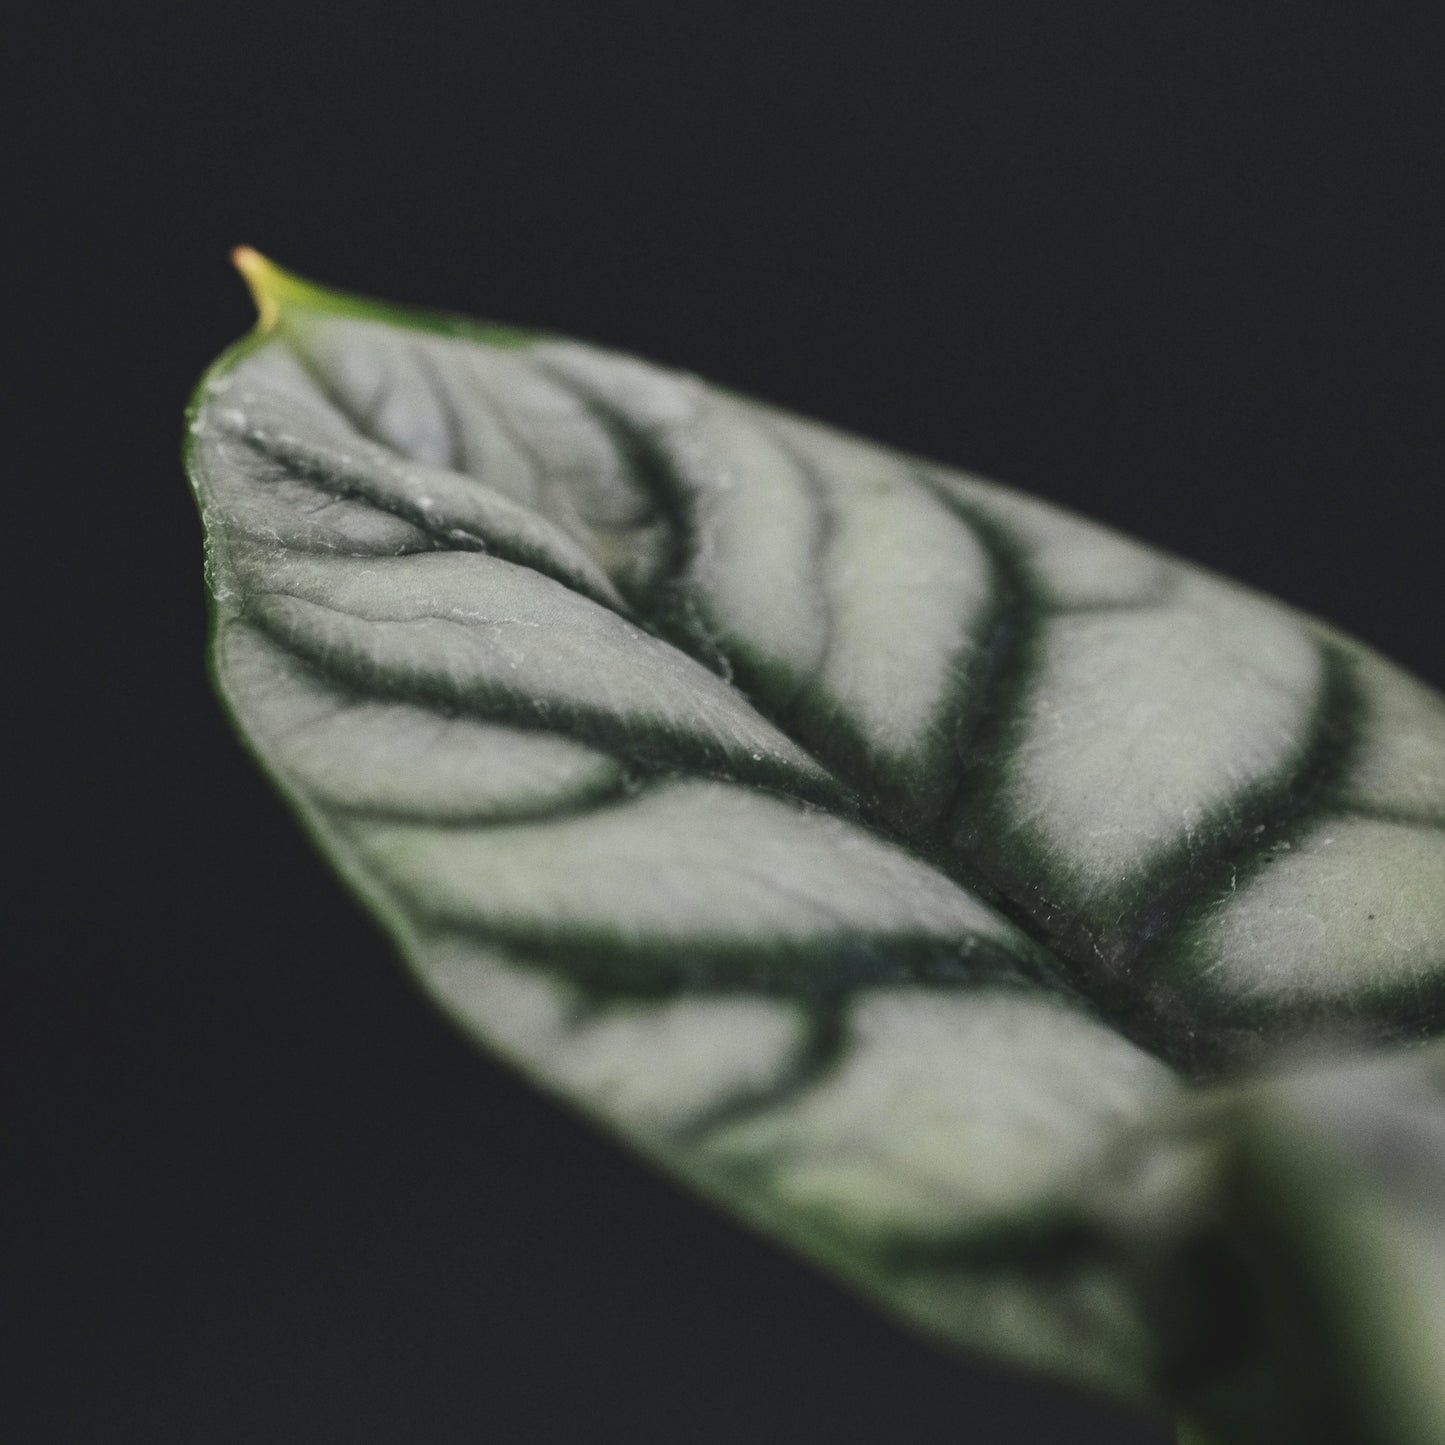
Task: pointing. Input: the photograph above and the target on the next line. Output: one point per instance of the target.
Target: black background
(1177, 266)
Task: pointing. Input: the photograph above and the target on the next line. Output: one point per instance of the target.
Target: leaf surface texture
(890, 855)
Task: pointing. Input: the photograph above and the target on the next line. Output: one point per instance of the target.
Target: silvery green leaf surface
(894, 858)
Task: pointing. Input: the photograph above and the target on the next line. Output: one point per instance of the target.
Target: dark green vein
(1000, 673)
(1430, 820)
(350, 481)
(664, 596)
(649, 744)
(821, 1052)
(819, 973)
(584, 803)
(1185, 882)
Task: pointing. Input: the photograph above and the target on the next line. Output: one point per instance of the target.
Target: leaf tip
(270, 286)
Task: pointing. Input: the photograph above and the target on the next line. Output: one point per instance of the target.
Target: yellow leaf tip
(268, 283)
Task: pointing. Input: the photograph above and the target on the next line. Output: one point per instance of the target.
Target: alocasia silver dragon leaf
(909, 866)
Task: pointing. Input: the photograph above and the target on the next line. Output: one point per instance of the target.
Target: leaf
(891, 856)
(1335, 1182)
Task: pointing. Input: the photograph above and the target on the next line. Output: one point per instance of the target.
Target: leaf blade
(661, 726)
